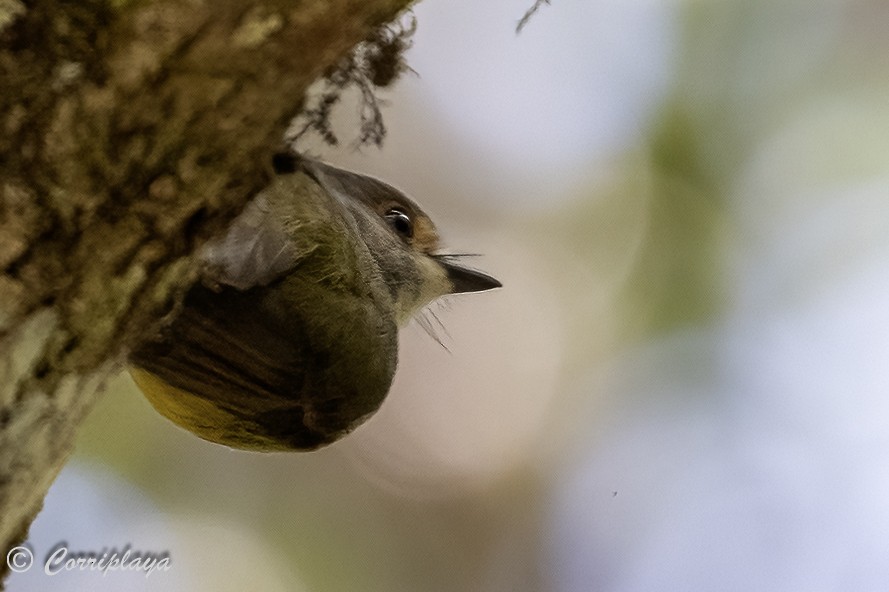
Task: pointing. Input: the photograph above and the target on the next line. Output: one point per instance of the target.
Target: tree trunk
(130, 131)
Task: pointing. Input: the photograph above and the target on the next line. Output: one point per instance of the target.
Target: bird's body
(290, 341)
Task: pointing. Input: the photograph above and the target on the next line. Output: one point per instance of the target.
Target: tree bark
(130, 131)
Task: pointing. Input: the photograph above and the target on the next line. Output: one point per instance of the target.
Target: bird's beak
(467, 280)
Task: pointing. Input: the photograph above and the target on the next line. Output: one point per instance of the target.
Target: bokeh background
(683, 385)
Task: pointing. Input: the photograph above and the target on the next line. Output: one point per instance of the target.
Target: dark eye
(400, 222)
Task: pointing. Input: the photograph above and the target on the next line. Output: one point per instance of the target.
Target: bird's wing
(254, 251)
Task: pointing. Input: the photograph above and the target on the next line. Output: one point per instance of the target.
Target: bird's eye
(400, 222)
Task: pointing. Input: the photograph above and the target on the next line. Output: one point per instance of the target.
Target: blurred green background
(683, 383)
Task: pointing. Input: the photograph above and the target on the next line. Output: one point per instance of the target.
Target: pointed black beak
(467, 280)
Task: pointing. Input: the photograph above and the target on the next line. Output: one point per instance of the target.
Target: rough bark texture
(130, 131)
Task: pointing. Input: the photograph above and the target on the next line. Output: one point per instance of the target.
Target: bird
(289, 340)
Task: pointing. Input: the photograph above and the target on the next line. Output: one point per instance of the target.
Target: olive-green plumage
(290, 340)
